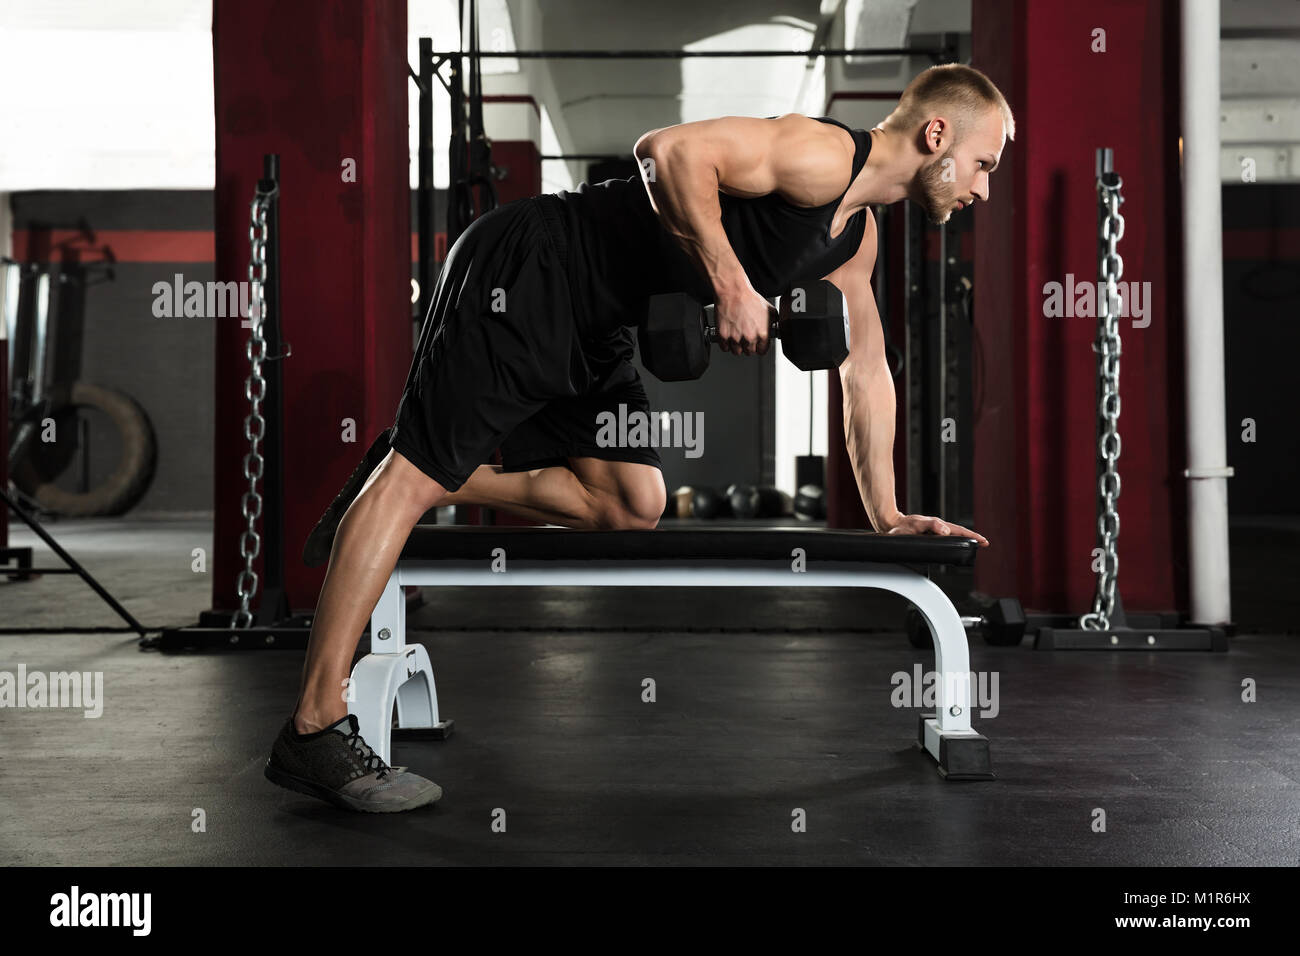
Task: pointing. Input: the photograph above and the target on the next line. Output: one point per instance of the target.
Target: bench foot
(380, 681)
(963, 755)
(439, 731)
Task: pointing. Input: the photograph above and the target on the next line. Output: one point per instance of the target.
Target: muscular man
(529, 339)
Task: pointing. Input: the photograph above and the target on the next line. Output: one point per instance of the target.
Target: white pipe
(1207, 472)
(6, 227)
(791, 430)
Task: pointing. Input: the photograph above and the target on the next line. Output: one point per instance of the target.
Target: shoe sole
(343, 801)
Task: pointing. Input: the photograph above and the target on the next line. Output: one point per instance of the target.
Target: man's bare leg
(369, 540)
(589, 493)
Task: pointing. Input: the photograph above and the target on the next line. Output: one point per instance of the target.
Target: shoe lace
(371, 760)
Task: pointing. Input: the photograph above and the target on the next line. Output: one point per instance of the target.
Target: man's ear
(936, 135)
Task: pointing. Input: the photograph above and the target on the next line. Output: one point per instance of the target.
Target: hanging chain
(250, 542)
(1108, 350)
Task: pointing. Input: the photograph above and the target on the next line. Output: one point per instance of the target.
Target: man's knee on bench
(637, 503)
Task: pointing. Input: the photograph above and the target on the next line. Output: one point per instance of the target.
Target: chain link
(250, 542)
(1109, 349)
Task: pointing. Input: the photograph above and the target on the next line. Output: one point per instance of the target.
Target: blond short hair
(961, 91)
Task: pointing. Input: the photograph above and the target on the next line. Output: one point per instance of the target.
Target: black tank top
(618, 253)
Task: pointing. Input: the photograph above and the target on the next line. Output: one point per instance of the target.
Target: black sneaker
(336, 765)
(316, 551)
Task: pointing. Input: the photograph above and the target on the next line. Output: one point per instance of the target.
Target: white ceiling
(104, 94)
(607, 104)
(125, 86)
(112, 94)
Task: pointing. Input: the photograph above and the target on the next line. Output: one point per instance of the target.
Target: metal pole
(936, 53)
(9, 290)
(424, 191)
(73, 563)
(457, 150)
(593, 157)
(1207, 469)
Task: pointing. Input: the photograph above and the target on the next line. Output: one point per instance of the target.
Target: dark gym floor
(550, 728)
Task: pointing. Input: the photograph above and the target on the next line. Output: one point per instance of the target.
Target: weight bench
(395, 672)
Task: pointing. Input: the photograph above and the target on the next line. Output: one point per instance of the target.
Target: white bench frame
(395, 672)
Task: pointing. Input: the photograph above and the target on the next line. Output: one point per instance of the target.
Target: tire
(129, 480)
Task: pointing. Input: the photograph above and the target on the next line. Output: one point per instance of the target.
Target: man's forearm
(685, 195)
(869, 410)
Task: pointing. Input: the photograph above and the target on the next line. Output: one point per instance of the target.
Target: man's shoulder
(824, 126)
(606, 190)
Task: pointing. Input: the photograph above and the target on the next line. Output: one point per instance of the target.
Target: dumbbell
(812, 322)
(764, 501)
(697, 502)
(810, 503)
(1002, 623)
(707, 504)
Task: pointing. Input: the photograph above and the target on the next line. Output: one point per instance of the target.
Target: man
(528, 340)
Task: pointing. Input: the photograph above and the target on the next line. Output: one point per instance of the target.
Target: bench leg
(388, 619)
(417, 701)
(960, 752)
(961, 755)
(394, 674)
(381, 681)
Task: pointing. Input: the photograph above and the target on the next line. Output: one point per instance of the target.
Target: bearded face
(935, 196)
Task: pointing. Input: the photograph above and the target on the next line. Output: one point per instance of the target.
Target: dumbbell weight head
(676, 332)
(744, 500)
(674, 338)
(707, 504)
(1004, 622)
(813, 324)
(764, 501)
(772, 502)
(810, 503)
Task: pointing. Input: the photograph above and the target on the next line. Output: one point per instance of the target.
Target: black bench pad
(465, 543)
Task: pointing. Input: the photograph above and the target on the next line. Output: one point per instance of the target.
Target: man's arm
(868, 386)
(807, 162)
(870, 404)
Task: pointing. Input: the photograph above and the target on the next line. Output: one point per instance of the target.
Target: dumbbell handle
(711, 328)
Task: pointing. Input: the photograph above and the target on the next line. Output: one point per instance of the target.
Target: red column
(1035, 478)
(319, 90)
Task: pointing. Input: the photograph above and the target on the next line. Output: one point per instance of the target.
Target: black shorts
(501, 362)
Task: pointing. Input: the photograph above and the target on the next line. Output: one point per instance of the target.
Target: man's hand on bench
(925, 524)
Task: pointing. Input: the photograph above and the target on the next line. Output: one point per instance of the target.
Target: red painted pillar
(319, 90)
(1035, 444)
